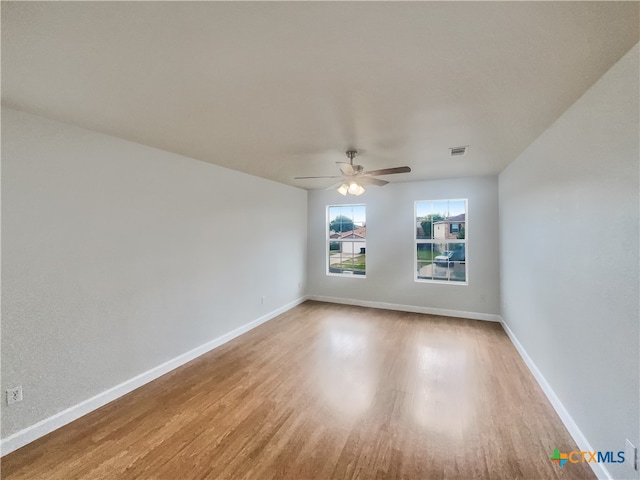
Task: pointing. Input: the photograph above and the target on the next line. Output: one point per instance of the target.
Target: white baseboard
(408, 308)
(48, 425)
(581, 441)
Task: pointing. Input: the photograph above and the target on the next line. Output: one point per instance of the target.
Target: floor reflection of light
(347, 371)
(427, 358)
(345, 344)
(441, 399)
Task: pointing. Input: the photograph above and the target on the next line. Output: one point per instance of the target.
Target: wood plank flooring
(324, 392)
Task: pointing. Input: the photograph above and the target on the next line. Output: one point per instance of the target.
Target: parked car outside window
(449, 256)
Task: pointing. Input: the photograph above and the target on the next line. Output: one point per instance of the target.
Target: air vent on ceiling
(458, 151)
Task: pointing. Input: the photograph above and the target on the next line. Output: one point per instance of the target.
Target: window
(346, 240)
(441, 241)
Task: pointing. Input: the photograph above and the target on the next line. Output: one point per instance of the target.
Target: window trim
(329, 240)
(417, 241)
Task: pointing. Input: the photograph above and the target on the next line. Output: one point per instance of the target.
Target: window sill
(346, 275)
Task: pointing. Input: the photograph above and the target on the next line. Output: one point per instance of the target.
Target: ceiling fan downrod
(351, 154)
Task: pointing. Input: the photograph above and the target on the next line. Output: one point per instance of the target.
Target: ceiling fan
(354, 176)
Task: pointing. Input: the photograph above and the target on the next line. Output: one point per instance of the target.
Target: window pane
(428, 214)
(347, 233)
(441, 237)
(347, 221)
(442, 219)
(349, 258)
(449, 261)
(458, 272)
(335, 259)
(424, 256)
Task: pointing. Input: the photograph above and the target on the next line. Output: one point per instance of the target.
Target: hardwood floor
(324, 392)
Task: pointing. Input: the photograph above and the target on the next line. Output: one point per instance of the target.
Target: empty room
(320, 240)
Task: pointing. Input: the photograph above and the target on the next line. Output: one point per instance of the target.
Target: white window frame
(329, 240)
(417, 241)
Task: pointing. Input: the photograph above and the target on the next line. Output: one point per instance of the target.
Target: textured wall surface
(117, 257)
(569, 258)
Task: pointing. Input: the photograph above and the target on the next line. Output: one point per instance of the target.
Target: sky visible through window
(448, 208)
(355, 212)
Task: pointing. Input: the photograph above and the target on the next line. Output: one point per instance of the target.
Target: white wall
(569, 258)
(390, 247)
(118, 257)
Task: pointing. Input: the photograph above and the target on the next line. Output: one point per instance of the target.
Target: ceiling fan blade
(388, 171)
(371, 181)
(304, 178)
(334, 186)
(346, 168)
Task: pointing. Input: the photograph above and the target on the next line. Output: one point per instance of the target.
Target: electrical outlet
(14, 395)
(631, 454)
(262, 299)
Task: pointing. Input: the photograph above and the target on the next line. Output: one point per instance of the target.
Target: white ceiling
(283, 89)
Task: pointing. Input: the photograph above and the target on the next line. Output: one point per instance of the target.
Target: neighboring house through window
(441, 241)
(346, 240)
(449, 227)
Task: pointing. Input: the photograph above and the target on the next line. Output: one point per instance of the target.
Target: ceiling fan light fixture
(353, 176)
(355, 189)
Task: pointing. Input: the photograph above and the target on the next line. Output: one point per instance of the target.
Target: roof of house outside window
(455, 219)
(358, 233)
